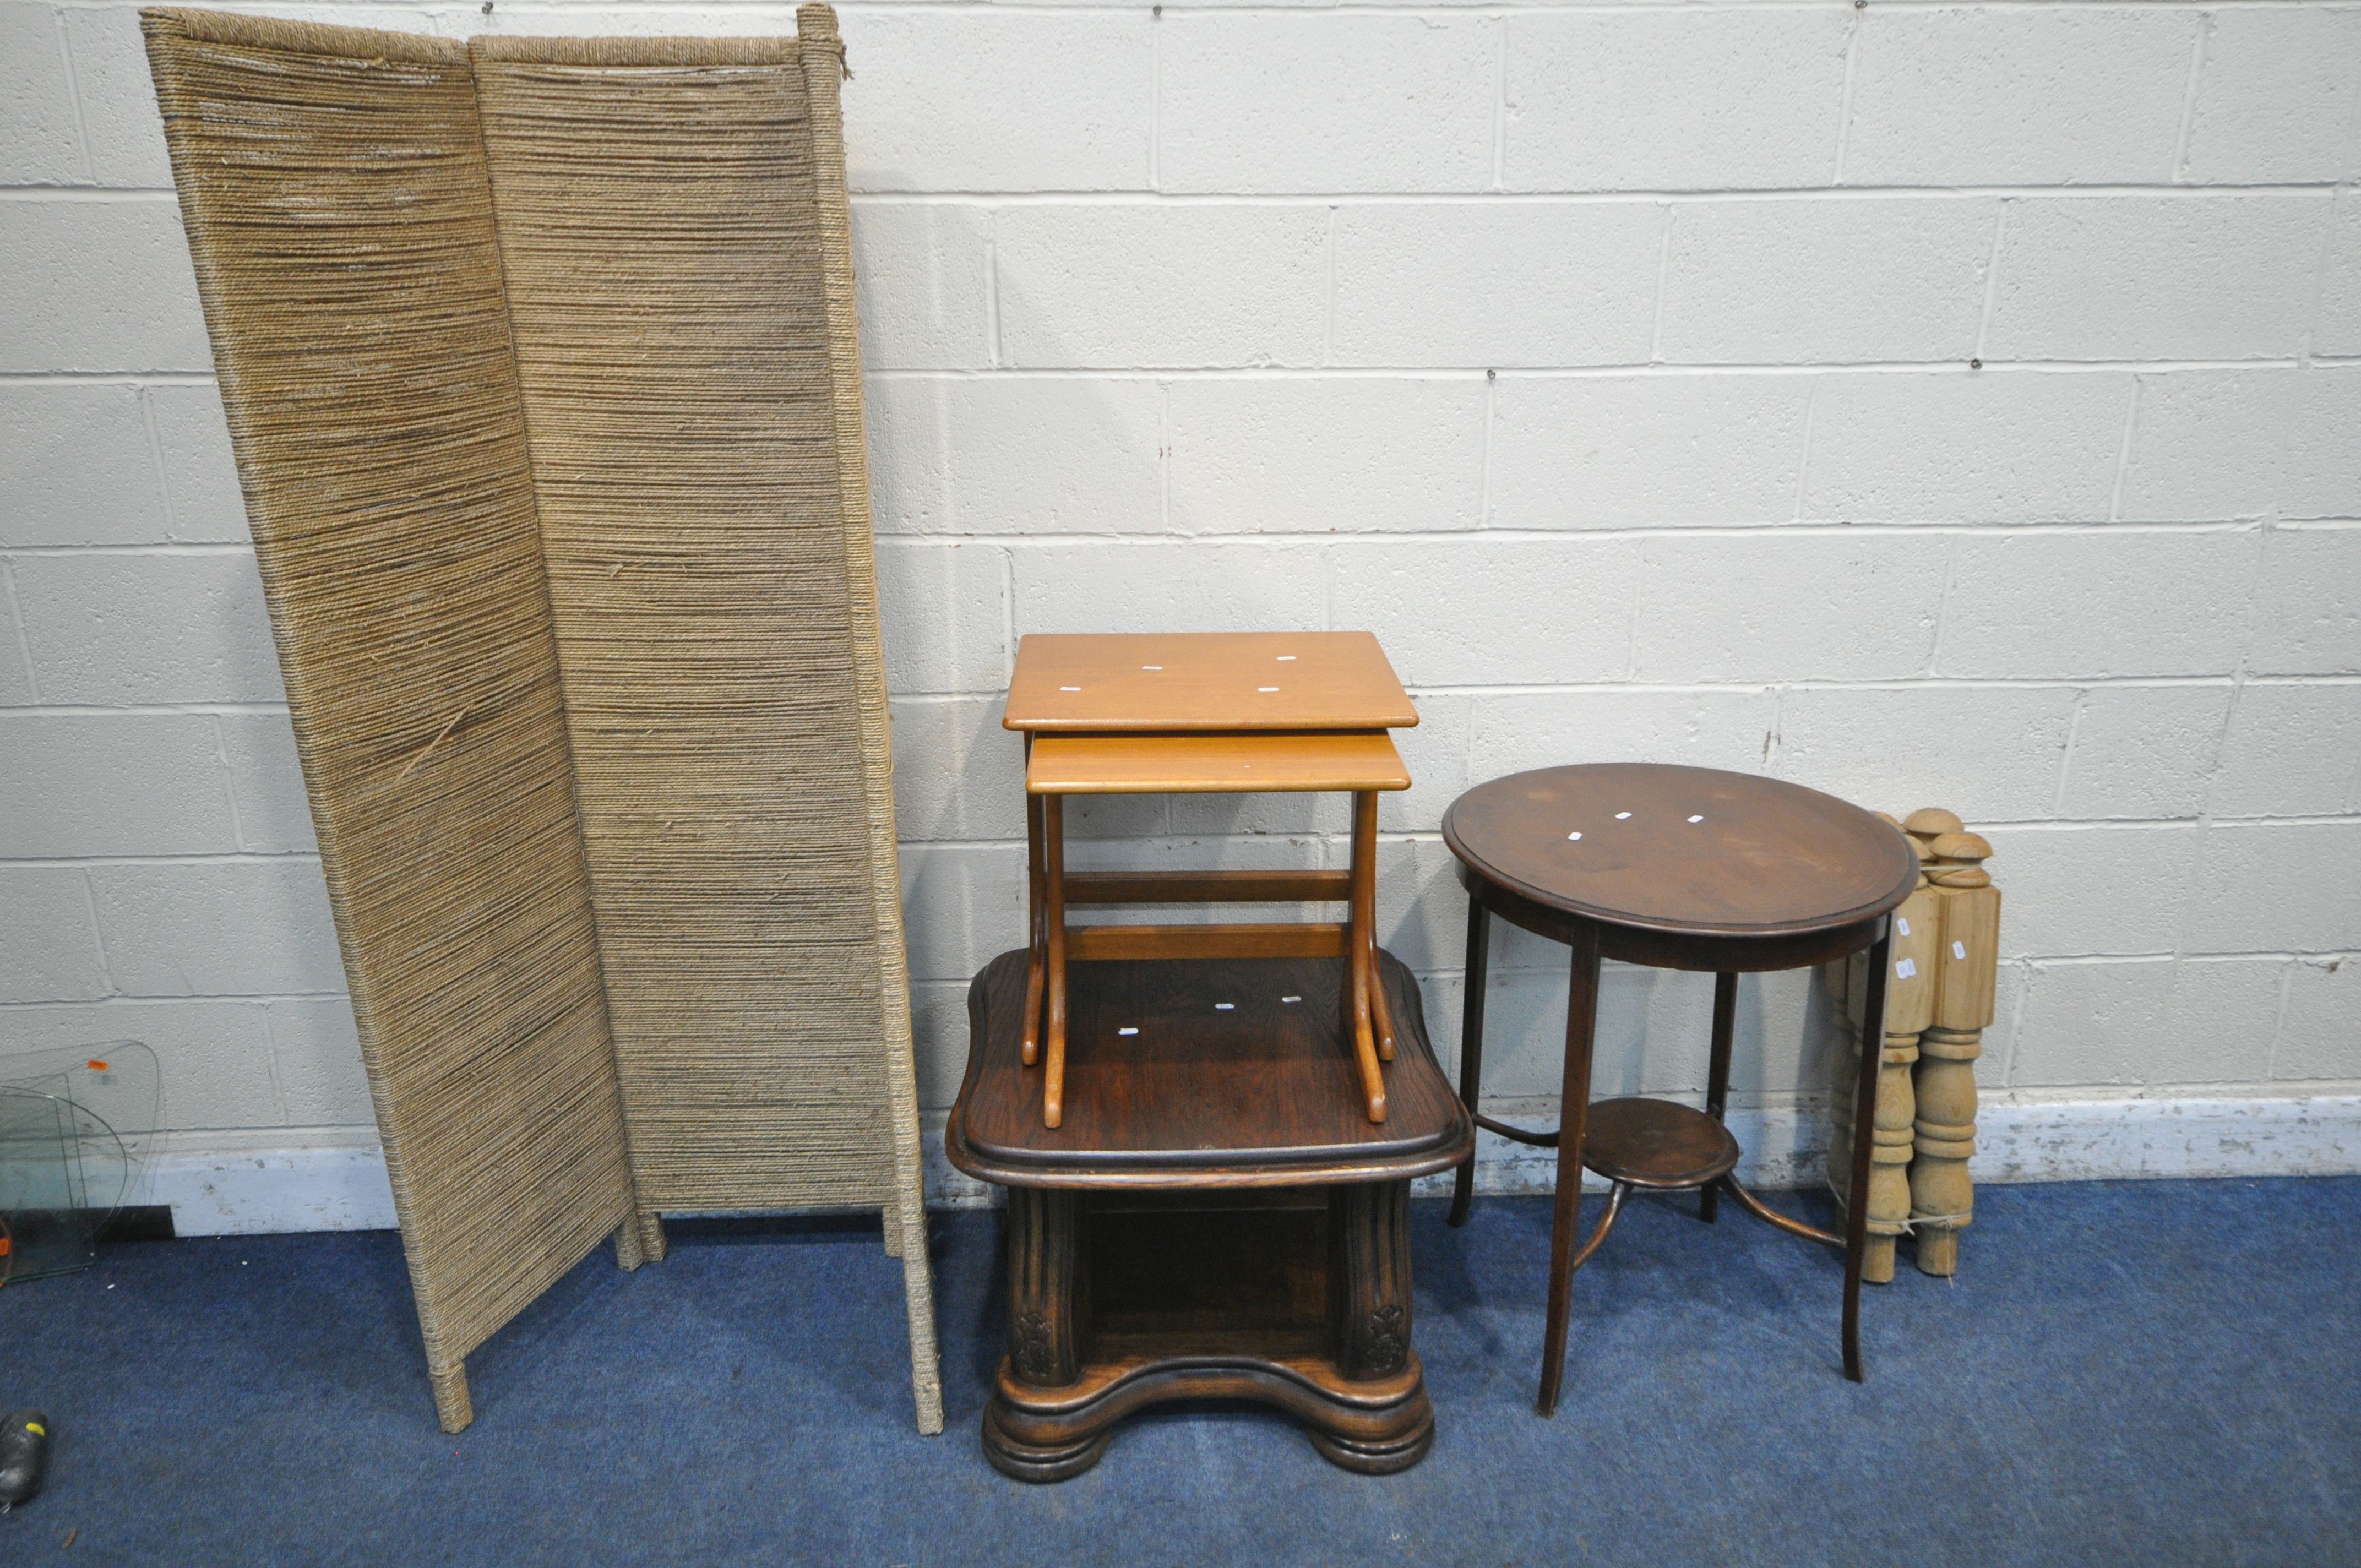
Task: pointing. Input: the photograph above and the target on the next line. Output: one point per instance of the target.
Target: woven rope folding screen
(656, 536)
(333, 190)
(669, 279)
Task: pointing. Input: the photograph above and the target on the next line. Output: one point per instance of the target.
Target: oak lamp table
(1217, 1218)
(1675, 868)
(1131, 713)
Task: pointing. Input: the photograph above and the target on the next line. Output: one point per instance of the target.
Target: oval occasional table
(1673, 868)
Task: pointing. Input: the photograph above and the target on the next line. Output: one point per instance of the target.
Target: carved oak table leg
(1044, 1351)
(1369, 1322)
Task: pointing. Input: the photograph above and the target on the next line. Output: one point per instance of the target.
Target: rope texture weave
(544, 376)
(333, 188)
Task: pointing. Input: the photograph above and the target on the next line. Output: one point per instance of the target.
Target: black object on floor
(2161, 1372)
(23, 1457)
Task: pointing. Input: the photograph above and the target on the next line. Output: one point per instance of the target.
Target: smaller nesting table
(1674, 868)
(1131, 713)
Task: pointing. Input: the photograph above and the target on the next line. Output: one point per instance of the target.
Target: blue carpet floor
(2161, 1372)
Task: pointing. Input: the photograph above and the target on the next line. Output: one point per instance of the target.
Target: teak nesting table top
(1258, 761)
(1684, 850)
(1205, 681)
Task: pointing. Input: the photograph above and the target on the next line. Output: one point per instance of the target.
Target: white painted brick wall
(1796, 280)
(2338, 330)
(1646, 451)
(1328, 456)
(1916, 447)
(1726, 100)
(2210, 276)
(1422, 284)
(1358, 101)
(2279, 100)
(1613, 363)
(2048, 95)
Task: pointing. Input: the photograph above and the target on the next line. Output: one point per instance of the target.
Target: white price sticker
(1959, 949)
(1906, 969)
(1902, 924)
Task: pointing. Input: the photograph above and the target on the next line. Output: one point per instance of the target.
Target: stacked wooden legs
(1945, 970)
(1942, 1199)
(1051, 945)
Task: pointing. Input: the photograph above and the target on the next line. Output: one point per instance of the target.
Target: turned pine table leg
(1053, 876)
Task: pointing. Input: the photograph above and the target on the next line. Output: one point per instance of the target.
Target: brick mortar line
(945, 697)
(1479, 196)
(1816, 528)
(2066, 752)
(146, 710)
(1794, 528)
(2188, 123)
(1621, 369)
(193, 857)
(1845, 97)
(98, 933)
(2278, 1021)
(1997, 1095)
(12, 609)
(1152, 196)
(1991, 281)
(2313, 958)
(2062, 960)
(2123, 454)
(1433, 836)
(1618, 369)
(163, 547)
(148, 1001)
(1481, 8)
(1307, 836)
(270, 1067)
(73, 97)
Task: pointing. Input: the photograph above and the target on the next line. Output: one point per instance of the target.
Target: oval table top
(1690, 851)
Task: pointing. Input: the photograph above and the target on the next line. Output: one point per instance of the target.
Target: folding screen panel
(333, 185)
(709, 567)
(550, 427)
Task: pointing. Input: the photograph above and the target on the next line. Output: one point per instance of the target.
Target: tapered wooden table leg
(1359, 952)
(1471, 1046)
(1053, 876)
(1574, 1108)
(1381, 1018)
(1037, 959)
(1717, 1078)
(1864, 1120)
